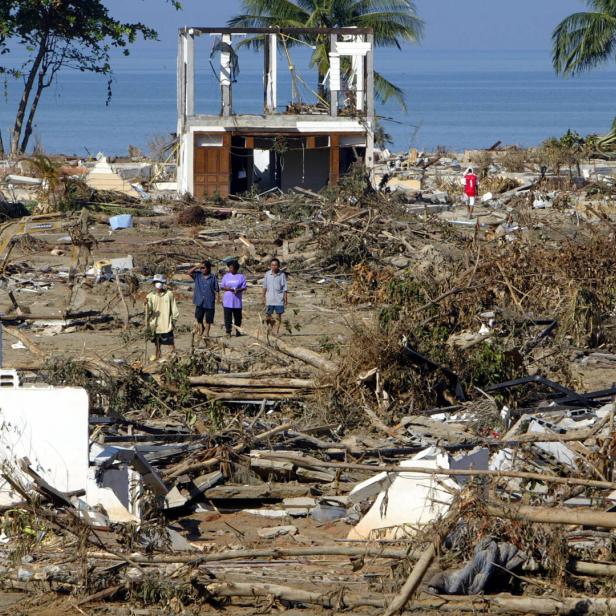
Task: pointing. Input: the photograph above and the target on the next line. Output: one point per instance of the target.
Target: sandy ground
(316, 313)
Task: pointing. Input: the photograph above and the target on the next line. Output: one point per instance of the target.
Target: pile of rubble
(449, 449)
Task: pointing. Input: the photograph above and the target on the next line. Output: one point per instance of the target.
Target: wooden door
(334, 159)
(212, 170)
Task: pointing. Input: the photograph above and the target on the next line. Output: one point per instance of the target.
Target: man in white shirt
(275, 294)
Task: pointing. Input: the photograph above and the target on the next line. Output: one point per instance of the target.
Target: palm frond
(392, 28)
(384, 90)
(393, 22)
(267, 13)
(582, 41)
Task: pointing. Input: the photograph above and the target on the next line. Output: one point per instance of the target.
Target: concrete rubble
(438, 407)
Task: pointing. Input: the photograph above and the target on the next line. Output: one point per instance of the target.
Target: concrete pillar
(358, 66)
(225, 78)
(334, 74)
(270, 73)
(181, 92)
(370, 110)
(181, 83)
(370, 77)
(190, 73)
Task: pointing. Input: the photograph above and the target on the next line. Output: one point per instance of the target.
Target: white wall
(49, 426)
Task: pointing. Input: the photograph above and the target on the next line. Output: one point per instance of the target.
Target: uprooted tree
(59, 34)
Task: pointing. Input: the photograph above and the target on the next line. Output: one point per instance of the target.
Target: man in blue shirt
(204, 296)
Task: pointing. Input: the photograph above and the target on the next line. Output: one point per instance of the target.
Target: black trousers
(232, 315)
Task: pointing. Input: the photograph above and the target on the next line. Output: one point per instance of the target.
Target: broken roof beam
(294, 31)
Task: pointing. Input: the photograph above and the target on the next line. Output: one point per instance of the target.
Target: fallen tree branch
(447, 472)
(335, 600)
(508, 604)
(189, 468)
(25, 340)
(274, 553)
(306, 355)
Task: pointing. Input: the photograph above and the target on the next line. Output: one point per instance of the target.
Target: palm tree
(585, 40)
(393, 22)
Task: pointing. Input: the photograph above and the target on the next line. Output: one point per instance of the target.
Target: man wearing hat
(162, 314)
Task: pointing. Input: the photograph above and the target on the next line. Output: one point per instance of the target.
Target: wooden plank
(274, 491)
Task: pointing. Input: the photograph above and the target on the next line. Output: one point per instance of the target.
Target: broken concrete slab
(277, 531)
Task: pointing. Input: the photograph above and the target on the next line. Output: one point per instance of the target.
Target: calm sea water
(456, 99)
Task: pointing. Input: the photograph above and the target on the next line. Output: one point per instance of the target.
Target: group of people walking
(162, 312)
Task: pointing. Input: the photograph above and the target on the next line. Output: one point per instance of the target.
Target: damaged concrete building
(284, 144)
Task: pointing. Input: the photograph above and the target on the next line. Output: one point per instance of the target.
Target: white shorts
(471, 201)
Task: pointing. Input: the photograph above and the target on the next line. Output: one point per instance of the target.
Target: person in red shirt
(471, 190)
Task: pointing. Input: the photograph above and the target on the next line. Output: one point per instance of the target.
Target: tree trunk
(40, 86)
(221, 380)
(306, 355)
(553, 515)
(334, 601)
(25, 97)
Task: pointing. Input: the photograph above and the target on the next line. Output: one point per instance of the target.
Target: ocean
(454, 99)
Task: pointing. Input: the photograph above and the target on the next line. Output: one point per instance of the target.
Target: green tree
(586, 39)
(59, 34)
(393, 22)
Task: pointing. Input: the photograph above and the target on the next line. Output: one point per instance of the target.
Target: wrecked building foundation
(305, 145)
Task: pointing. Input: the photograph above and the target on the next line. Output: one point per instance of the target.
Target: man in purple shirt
(233, 284)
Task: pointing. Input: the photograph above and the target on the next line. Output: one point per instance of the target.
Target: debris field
(431, 431)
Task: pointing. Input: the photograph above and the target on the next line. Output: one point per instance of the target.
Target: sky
(450, 24)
